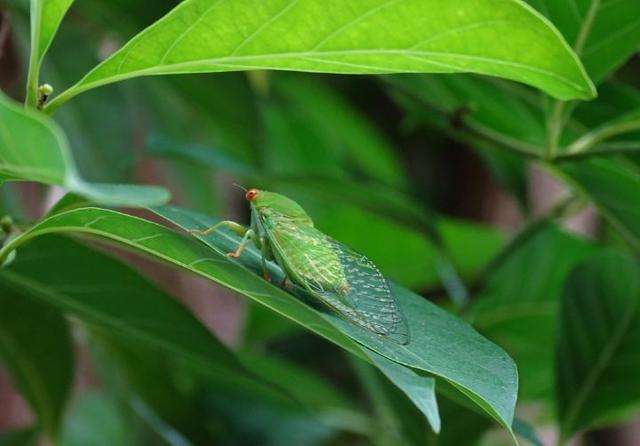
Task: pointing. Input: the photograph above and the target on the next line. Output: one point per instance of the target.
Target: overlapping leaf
(34, 148)
(605, 33)
(369, 37)
(614, 187)
(597, 359)
(519, 305)
(441, 344)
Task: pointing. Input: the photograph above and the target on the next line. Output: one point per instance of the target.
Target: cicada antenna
(239, 187)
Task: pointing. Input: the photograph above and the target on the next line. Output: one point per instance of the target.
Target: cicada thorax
(307, 254)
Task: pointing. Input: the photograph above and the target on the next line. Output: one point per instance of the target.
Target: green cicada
(347, 282)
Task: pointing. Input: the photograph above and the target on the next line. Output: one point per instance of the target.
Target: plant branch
(555, 126)
(556, 121)
(593, 138)
(34, 60)
(602, 150)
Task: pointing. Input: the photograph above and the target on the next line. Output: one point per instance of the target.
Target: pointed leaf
(46, 16)
(519, 305)
(603, 33)
(441, 344)
(597, 355)
(419, 388)
(34, 148)
(368, 37)
(614, 187)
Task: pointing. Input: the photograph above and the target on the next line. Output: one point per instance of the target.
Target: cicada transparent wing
(369, 292)
(344, 280)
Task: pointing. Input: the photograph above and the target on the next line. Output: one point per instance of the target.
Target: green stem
(60, 99)
(557, 119)
(34, 60)
(601, 150)
(586, 27)
(555, 126)
(11, 245)
(591, 139)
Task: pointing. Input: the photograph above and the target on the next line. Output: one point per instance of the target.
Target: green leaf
(461, 426)
(111, 297)
(34, 148)
(604, 34)
(441, 344)
(314, 121)
(149, 383)
(507, 114)
(22, 437)
(35, 343)
(369, 37)
(396, 418)
(518, 306)
(614, 187)
(597, 348)
(420, 389)
(46, 16)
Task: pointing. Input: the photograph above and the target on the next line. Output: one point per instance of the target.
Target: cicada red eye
(251, 194)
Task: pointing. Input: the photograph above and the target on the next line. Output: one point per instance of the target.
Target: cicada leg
(246, 233)
(235, 227)
(249, 235)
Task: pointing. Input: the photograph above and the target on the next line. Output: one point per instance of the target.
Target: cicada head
(262, 199)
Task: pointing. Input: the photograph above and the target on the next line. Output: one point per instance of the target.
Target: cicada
(342, 279)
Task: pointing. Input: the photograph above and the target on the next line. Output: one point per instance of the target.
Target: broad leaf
(518, 306)
(34, 148)
(145, 374)
(614, 187)
(46, 16)
(603, 33)
(598, 354)
(111, 297)
(441, 344)
(369, 37)
(35, 344)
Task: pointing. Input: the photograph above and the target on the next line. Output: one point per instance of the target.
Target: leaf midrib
(351, 52)
(600, 365)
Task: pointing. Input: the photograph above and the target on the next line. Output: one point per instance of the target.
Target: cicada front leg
(246, 233)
